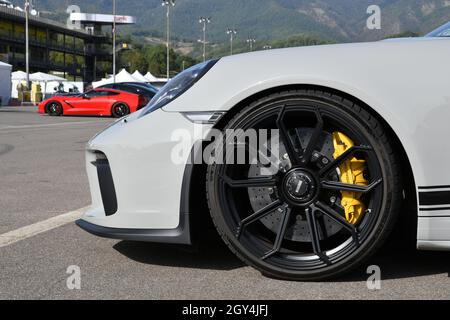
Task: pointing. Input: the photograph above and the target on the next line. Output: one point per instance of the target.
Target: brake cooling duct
(352, 172)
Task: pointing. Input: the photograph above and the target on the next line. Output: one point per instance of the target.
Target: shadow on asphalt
(213, 256)
(406, 263)
(394, 264)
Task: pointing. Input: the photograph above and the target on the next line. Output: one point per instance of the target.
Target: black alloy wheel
(291, 223)
(54, 108)
(120, 110)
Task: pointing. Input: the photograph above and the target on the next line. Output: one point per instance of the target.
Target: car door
(94, 102)
(102, 102)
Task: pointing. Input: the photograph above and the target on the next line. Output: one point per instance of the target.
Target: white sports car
(348, 138)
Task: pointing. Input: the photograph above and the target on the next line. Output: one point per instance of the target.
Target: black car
(133, 87)
(158, 84)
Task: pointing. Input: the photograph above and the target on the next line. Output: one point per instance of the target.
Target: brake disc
(261, 197)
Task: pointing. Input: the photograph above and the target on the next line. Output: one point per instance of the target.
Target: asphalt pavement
(42, 176)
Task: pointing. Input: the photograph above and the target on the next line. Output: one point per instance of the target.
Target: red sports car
(101, 102)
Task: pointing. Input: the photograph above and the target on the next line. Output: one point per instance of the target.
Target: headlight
(177, 86)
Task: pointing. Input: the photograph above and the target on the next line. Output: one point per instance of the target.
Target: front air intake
(106, 183)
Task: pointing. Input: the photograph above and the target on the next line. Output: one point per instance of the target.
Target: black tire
(120, 110)
(227, 202)
(54, 109)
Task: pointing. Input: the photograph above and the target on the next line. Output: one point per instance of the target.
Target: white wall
(5, 83)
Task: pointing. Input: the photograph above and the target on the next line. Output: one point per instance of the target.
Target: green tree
(134, 60)
(153, 58)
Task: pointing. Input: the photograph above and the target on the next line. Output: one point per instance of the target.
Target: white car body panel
(406, 82)
(385, 75)
(147, 182)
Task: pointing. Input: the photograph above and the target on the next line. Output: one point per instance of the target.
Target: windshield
(440, 32)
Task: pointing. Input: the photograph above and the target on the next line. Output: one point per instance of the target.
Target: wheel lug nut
(333, 200)
(325, 161)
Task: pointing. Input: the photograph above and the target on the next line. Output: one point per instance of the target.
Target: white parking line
(31, 126)
(20, 234)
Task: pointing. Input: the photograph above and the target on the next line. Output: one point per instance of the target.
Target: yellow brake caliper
(352, 172)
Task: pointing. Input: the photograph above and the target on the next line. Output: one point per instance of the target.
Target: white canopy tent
(150, 77)
(45, 78)
(122, 76)
(18, 76)
(36, 77)
(139, 76)
(125, 76)
(47, 81)
(5, 83)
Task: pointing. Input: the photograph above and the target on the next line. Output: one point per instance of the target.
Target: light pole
(204, 21)
(168, 4)
(114, 40)
(232, 33)
(251, 41)
(27, 43)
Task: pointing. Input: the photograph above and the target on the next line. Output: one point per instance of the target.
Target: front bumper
(180, 235)
(41, 108)
(136, 187)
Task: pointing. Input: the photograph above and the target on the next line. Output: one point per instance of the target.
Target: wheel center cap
(299, 186)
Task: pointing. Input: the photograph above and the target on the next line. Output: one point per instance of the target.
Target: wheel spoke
(294, 155)
(280, 234)
(314, 138)
(335, 216)
(351, 151)
(315, 237)
(332, 185)
(257, 216)
(250, 182)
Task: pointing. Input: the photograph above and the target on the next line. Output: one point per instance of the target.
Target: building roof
(5, 65)
(104, 19)
(14, 14)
